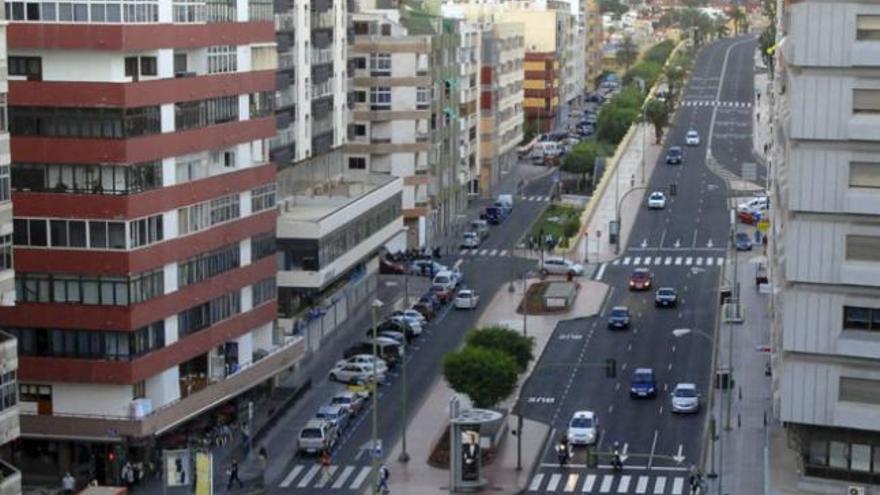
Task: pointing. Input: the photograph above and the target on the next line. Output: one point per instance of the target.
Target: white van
(447, 279)
(506, 200)
(546, 149)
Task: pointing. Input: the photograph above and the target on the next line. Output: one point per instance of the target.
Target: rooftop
(323, 198)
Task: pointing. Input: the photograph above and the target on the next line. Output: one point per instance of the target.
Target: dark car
(596, 98)
(742, 241)
(590, 119)
(641, 279)
(394, 326)
(643, 384)
(426, 309)
(619, 317)
(433, 300)
(665, 297)
(494, 215)
(674, 156)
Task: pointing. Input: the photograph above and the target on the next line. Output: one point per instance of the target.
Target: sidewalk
(431, 419)
(763, 130)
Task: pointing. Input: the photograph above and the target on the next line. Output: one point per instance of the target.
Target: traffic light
(610, 368)
(111, 456)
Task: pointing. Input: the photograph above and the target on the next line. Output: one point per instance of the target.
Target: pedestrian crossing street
(484, 252)
(314, 476)
(578, 482)
(639, 261)
(715, 103)
(535, 199)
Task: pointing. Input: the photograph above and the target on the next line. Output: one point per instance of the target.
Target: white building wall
(245, 349)
(91, 399)
(163, 388)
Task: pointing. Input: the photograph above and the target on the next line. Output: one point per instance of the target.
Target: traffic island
(549, 298)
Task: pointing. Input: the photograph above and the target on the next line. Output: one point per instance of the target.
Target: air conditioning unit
(855, 490)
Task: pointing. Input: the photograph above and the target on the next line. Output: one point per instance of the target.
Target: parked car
(641, 279)
(470, 240)
(657, 201)
(685, 398)
(506, 200)
(467, 299)
(759, 203)
(391, 267)
(410, 314)
(560, 266)
(742, 241)
(481, 227)
(545, 149)
(316, 436)
(643, 383)
(693, 138)
(397, 336)
(391, 354)
(494, 215)
(413, 325)
(583, 428)
(356, 373)
(443, 293)
(425, 309)
(426, 268)
(448, 279)
(334, 414)
(353, 402)
(619, 317)
(674, 156)
(368, 359)
(430, 298)
(397, 327)
(596, 98)
(666, 297)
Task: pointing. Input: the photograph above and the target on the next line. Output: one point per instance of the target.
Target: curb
(547, 437)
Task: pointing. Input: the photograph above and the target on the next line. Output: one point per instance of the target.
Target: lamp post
(617, 215)
(404, 455)
(643, 128)
(374, 435)
(736, 309)
(519, 419)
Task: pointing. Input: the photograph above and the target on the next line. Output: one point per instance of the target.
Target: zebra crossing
(715, 103)
(574, 482)
(484, 252)
(535, 199)
(332, 477)
(669, 261)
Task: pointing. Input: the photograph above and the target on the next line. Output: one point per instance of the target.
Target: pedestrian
(246, 434)
(326, 461)
(128, 475)
(384, 474)
(232, 473)
(68, 484)
(263, 456)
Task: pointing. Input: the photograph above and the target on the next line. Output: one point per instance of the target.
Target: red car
(641, 279)
(443, 294)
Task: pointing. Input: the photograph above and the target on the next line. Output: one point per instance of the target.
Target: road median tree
(486, 375)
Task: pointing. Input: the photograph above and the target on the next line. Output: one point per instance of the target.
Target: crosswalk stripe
(688, 261)
(658, 260)
(571, 483)
(493, 252)
(623, 486)
(659, 485)
(637, 261)
(463, 252)
(536, 482)
(668, 260)
(699, 261)
(720, 261)
(606, 483)
(483, 252)
(533, 198)
(326, 476)
(554, 482)
(343, 476)
(503, 252)
(677, 485)
(626, 260)
(359, 479)
(615, 262)
(642, 485)
(304, 482)
(292, 476)
(709, 261)
(588, 483)
(678, 260)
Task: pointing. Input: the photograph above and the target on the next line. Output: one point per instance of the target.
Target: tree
(721, 29)
(612, 7)
(614, 121)
(627, 52)
(674, 75)
(503, 339)
(740, 21)
(487, 376)
(582, 159)
(657, 113)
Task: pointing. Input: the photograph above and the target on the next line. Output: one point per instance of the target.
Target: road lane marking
(659, 485)
(626, 260)
(623, 486)
(343, 477)
(688, 261)
(554, 482)
(699, 261)
(637, 261)
(615, 262)
(326, 476)
(503, 252)
(677, 485)
(463, 252)
(709, 261)
(601, 271)
(290, 477)
(720, 261)
(359, 479)
(606, 483)
(483, 252)
(642, 485)
(588, 483)
(668, 260)
(678, 260)
(493, 252)
(304, 482)
(536, 482)
(653, 446)
(658, 260)
(571, 483)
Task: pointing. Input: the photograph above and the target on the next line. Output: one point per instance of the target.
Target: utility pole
(404, 455)
(374, 436)
(736, 309)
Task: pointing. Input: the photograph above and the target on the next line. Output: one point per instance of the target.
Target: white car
(693, 138)
(561, 266)
(470, 240)
(583, 429)
(657, 200)
(367, 359)
(356, 373)
(685, 398)
(466, 299)
(448, 279)
(414, 324)
(753, 205)
(411, 314)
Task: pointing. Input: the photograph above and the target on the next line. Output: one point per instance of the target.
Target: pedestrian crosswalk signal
(611, 368)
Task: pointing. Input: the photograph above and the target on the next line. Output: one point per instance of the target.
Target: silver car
(561, 266)
(685, 398)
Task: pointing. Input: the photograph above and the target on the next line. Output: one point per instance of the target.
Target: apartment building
(574, 43)
(406, 114)
(825, 243)
(145, 215)
(594, 40)
(468, 61)
(7, 275)
(10, 477)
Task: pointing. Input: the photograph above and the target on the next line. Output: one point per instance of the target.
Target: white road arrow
(644, 243)
(711, 187)
(695, 270)
(679, 458)
(678, 243)
(623, 454)
(709, 243)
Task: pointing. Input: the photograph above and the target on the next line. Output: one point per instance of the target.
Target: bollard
(740, 393)
(765, 419)
(739, 420)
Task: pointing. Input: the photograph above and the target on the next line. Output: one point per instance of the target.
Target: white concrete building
(825, 242)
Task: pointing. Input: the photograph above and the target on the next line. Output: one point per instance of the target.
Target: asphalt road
(684, 245)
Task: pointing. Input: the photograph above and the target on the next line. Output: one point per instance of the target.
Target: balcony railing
(286, 60)
(321, 126)
(322, 55)
(285, 98)
(282, 138)
(285, 22)
(10, 479)
(323, 89)
(323, 20)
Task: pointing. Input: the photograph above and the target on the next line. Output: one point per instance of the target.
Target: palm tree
(721, 28)
(674, 75)
(657, 114)
(627, 52)
(740, 21)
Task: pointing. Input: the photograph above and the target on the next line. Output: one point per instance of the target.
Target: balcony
(322, 20)
(285, 22)
(95, 427)
(285, 98)
(323, 89)
(322, 56)
(287, 60)
(10, 479)
(283, 138)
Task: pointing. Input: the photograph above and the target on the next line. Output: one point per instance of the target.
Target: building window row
(262, 104)
(207, 265)
(827, 455)
(263, 246)
(85, 179)
(103, 11)
(201, 216)
(79, 289)
(89, 234)
(856, 318)
(90, 344)
(222, 59)
(380, 98)
(8, 390)
(263, 291)
(204, 113)
(209, 313)
(103, 123)
(863, 248)
(6, 252)
(263, 197)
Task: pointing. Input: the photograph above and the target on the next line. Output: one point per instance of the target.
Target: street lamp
(617, 215)
(374, 458)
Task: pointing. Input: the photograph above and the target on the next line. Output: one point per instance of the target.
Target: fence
(324, 318)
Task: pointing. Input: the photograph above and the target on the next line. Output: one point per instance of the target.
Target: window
(203, 113)
(263, 198)
(380, 64)
(145, 231)
(385, 29)
(423, 98)
(6, 252)
(102, 123)
(222, 59)
(5, 183)
(8, 390)
(139, 390)
(380, 98)
(263, 291)
(862, 248)
(86, 179)
(90, 344)
(262, 246)
(107, 291)
(357, 163)
(855, 318)
(191, 167)
(207, 265)
(837, 455)
(866, 101)
(200, 216)
(360, 129)
(868, 28)
(360, 96)
(149, 67)
(864, 174)
(29, 67)
(209, 313)
(131, 67)
(859, 390)
(360, 63)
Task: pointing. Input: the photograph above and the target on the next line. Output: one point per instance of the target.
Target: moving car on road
(685, 398)
(674, 156)
(583, 429)
(481, 227)
(693, 138)
(467, 299)
(742, 241)
(643, 384)
(560, 266)
(619, 317)
(666, 297)
(641, 279)
(316, 436)
(656, 201)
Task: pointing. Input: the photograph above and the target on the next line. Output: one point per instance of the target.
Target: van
(506, 200)
(545, 149)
